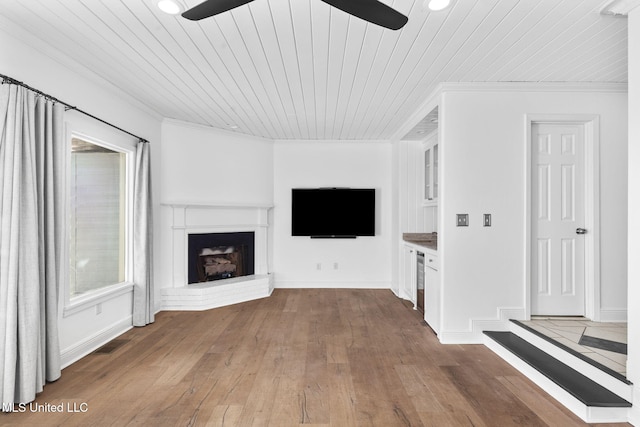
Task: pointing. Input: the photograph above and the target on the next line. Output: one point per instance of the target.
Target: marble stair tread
(579, 386)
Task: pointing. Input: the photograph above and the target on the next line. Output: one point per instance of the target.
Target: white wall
(633, 334)
(203, 165)
(86, 329)
(364, 262)
(483, 171)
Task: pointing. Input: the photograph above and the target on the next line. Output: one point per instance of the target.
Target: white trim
(434, 99)
(613, 315)
(573, 87)
(123, 144)
(218, 205)
(341, 142)
(474, 335)
(98, 296)
(421, 112)
(619, 7)
(591, 123)
(77, 351)
(301, 284)
(220, 228)
(215, 217)
(192, 125)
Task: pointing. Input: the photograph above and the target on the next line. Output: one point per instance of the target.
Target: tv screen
(333, 212)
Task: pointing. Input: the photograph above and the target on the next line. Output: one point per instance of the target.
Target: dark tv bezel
(368, 233)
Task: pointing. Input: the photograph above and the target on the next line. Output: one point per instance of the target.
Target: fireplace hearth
(217, 256)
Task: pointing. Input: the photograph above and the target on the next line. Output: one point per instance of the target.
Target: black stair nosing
(617, 375)
(579, 386)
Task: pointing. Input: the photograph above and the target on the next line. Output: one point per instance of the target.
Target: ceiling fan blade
(373, 11)
(212, 7)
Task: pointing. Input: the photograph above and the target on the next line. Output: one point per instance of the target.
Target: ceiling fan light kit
(170, 7)
(372, 11)
(437, 5)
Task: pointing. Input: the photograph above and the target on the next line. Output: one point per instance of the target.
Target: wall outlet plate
(487, 220)
(462, 220)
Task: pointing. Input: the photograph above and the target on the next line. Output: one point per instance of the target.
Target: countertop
(427, 240)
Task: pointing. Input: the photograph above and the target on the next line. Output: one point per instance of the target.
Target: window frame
(107, 138)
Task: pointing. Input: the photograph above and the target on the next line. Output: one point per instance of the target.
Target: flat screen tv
(333, 212)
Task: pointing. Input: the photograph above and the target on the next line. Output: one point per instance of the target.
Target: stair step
(590, 393)
(569, 350)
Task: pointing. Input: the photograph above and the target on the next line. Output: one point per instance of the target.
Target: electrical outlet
(462, 220)
(318, 266)
(487, 220)
(335, 265)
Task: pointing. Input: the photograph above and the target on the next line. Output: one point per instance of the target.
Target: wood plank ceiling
(300, 69)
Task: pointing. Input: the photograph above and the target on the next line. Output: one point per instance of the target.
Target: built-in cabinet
(429, 288)
(418, 192)
(430, 170)
(432, 292)
(408, 274)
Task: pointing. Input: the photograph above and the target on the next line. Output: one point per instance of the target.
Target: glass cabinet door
(435, 171)
(427, 174)
(430, 174)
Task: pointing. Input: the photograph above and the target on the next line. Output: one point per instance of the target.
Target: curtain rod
(10, 80)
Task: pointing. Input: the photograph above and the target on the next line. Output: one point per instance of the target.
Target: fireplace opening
(216, 256)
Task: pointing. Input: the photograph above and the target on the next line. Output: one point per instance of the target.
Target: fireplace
(219, 255)
(216, 256)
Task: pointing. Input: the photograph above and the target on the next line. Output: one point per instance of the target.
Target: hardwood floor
(332, 357)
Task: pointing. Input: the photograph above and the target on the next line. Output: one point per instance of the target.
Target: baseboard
(474, 335)
(78, 351)
(634, 414)
(294, 284)
(613, 315)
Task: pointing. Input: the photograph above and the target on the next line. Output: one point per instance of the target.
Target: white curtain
(143, 292)
(32, 230)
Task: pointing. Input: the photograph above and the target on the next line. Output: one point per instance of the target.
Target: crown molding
(207, 128)
(619, 7)
(451, 87)
(574, 87)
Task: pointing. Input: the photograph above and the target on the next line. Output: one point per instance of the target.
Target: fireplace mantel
(218, 205)
(203, 217)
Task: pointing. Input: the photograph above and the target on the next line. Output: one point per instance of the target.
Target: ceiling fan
(370, 10)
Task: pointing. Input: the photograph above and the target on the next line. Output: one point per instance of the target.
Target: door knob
(581, 231)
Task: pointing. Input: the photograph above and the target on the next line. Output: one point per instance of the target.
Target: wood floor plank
(549, 412)
(302, 357)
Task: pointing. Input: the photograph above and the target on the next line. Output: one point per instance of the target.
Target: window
(98, 216)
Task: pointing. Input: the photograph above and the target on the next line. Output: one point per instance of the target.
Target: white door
(557, 220)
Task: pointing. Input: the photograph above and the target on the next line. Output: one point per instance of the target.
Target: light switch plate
(487, 220)
(462, 220)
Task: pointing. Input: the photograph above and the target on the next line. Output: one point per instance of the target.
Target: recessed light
(420, 132)
(169, 6)
(232, 126)
(436, 5)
